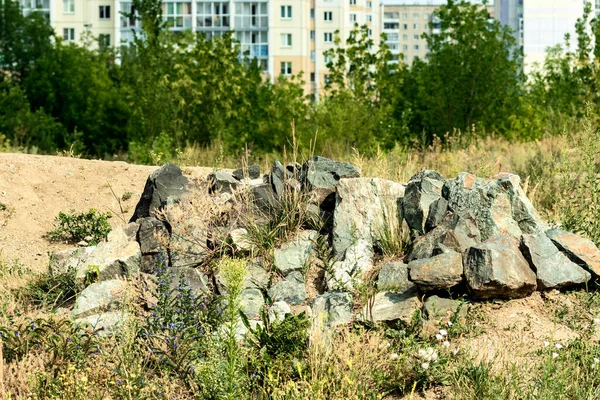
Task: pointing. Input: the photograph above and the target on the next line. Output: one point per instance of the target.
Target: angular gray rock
(442, 310)
(294, 255)
(107, 323)
(581, 250)
(393, 276)
(427, 173)
(165, 184)
(251, 301)
(333, 308)
(188, 245)
(553, 269)
(278, 311)
(420, 194)
(118, 257)
(291, 290)
(457, 232)
(253, 172)
(364, 208)
(438, 272)
(264, 198)
(149, 233)
(193, 278)
(499, 205)
(497, 269)
(321, 172)
(100, 297)
(277, 178)
(437, 212)
(391, 306)
(70, 259)
(222, 181)
(240, 241)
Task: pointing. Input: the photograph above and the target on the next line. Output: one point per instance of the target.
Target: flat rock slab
(581, 250)
(553, 269)
(497, 269)
(107, 323)
(391, 306)
(294, 255)
(442, 310)
(335, 308)
(291, 290)
(251, 302)
(438, 272)
(321, 172)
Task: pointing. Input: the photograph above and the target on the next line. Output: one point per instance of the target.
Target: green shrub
(74, 227)
(51, 290)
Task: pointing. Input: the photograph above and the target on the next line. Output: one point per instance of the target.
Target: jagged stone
(497, 269)
(251, 301)
(294, 255)
(278, 311)
(437, 212)
(418, 197)
(335, 308)
(393, 276)
(163, 185)
(240, 241)
(553, 269)
(364, 207)
(439, 310)
(118, 257)
(149, 234)
(581, 250)
(100, 297)
(193, 278)
(290, 290)
(391, 306)
(438, 272)
(321, 172)
(188, 244)
(264, 198)
(222, 181)
(277, 178)
(253, 172)
(457, 232)
(499, 205)
(70, 259)
(427, 173)
(106, 324)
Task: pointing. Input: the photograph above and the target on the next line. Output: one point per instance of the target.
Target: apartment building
(405, 22)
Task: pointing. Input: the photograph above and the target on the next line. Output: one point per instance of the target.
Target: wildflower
(597, 320)
(558, 346)
(554, 355)
(439, 337)
(443, 332)
(446, 344)
(455, 351)
(449, 323)
(425, 365)
(428, 354)
(546, 343)
(394, 356)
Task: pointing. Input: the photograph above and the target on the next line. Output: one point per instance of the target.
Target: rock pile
(473, 236)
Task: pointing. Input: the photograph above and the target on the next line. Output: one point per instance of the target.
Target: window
(404, 16)
(416, 16)
(427, 47)
(69, 34)
(312, 35)
(312, 13)
(104, 40)
(369, 32)
(391, 25)
(312, 76)
(286, 12)
(369, 4)
(328, 16)
(416, 37)
(286, 40)
(416, 47)
(104, 12)
(328, 37)
(405, 26)
(312, 57)
(352, 2)
(326, 79)
(369, 18)
(68, 7)
(393, 46)
(392, 37)
(178, 15)
(427, 17)
(404, 47)
(209, 14)
(405, 37)
(416, 26)
(286, 68)
(352, 17)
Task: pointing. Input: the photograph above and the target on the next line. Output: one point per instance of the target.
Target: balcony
(254, 50)
(251, 22)
(212, 22)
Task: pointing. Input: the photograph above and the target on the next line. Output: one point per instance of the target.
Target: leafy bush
(73, 227)
(52, 290)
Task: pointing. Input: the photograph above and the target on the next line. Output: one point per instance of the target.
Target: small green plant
(15, 269)
(92, 274)
(51, 290)
(126, 196)
(73, 227)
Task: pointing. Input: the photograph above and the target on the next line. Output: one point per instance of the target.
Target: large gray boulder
(107, 323)
(553, 269)
(252, 172)
(499, 205)
(152, 236)
(438, 272)
(391, 306)
(100, 297)
(365, 207)
(117, 257)
(294, 255)
(333, 308)
(193, 279)
(222, 181)
(69, 260)
(497, 269)
(321, 172)
(188, 244)
(393, 276)
(291, 290)
(581, 250)
(420, 194)
(251, 302)
(166, 184)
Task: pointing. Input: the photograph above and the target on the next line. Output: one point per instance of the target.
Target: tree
(472, 77)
